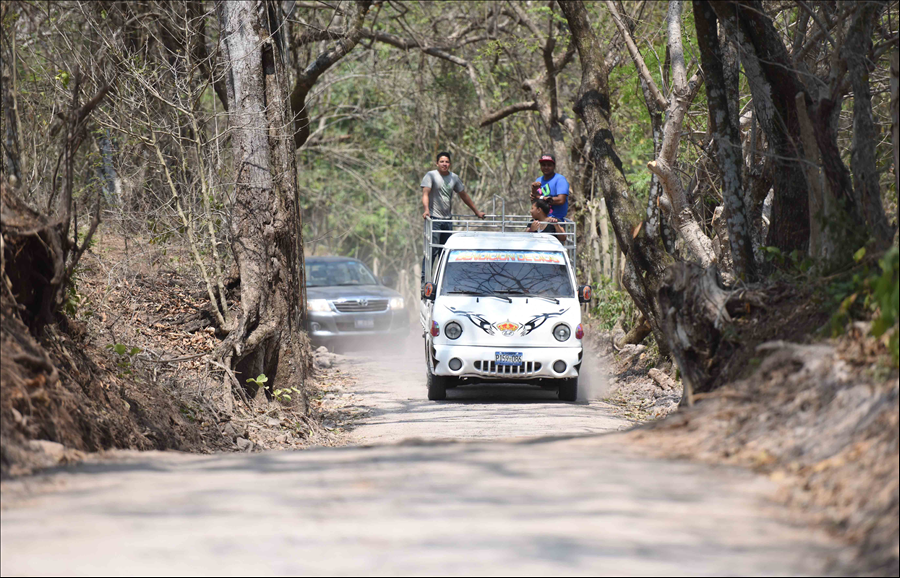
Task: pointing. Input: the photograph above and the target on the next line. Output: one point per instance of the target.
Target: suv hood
(350, 292)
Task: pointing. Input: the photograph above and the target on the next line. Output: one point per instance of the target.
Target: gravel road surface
(491, 481)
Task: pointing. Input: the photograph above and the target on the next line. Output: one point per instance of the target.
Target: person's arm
(562, 191)
(426, 192)
(557, 200)
(468, 201)
(560, 233)
(427, 181)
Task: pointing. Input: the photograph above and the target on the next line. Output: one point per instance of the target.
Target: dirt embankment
(127, 368)
(821, 419)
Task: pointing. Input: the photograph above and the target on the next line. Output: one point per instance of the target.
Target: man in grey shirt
(438, 187)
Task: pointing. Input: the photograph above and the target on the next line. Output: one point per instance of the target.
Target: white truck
(502, 306)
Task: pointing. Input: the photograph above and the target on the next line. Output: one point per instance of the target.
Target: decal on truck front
(476, 319)
(539, 257)
(539, 320)
(507, 328)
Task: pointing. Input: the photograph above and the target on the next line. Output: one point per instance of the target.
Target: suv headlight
(318, 305)
(397, 303)
(562, 332)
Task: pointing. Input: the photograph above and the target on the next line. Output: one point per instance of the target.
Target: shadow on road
(563, 506)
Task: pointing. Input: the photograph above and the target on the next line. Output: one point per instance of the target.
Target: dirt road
(393, 384)
(533, 495)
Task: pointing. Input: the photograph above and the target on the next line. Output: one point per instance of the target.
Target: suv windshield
(525, 273)
(331, 273)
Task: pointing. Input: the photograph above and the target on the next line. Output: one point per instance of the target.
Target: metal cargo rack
(492, 223)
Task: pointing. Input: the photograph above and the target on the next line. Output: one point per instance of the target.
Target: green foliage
(259, 381)
(284, 394)
(281, 394)
(124, 355)
(608, 305)
(886, 296)
(63, 77)
(870, 293)
(73, 300)
(793, 262)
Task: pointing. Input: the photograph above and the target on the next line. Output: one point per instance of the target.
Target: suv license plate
(508, 357)
(364, 324)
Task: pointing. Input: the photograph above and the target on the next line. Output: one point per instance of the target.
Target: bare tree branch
(639, 63)
(506, 111)
(307, 77)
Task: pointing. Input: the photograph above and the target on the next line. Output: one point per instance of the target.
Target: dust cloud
(592, 382)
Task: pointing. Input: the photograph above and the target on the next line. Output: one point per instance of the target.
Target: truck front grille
(487, 367)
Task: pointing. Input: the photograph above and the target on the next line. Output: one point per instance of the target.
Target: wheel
(437, 386)
(568, 389)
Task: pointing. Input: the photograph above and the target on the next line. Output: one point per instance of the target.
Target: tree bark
(604, 240)
(656, 223)
(11, 157)
(265, 217)
(683, 93)
(724, 129)
(643, 254)
(895, 109)
(862, 158)
(773, 82)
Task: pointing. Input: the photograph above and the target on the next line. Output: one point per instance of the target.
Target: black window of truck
(524, 273)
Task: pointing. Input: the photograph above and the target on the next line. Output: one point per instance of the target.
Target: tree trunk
(724, 129)
(265, 219)
(683, 92)
(643, 253)
(11, 159)
(696, 312)
(865, 136)
(593, 207)
(895, 109)
(774, 84)
(604, 240)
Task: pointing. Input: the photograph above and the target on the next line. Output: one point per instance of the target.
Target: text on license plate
(508, 357)
(364, 324)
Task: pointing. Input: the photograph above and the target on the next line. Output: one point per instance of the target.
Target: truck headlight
(397, 303)
(452, 330)
(562, 332)
(318, 305)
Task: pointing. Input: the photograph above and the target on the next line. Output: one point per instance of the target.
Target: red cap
(547, 157)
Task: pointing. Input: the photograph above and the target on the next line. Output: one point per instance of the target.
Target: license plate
(364, 323)
(508, 357)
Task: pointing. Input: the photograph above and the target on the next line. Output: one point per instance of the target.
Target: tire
(568, 389)
(437, 386)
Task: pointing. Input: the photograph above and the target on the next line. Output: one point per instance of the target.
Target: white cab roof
(510, 241)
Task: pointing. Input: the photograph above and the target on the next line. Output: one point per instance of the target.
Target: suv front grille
(361, 306)
(491, 368)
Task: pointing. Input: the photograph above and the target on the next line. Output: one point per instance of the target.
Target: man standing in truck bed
(552, 187)
(438, 187)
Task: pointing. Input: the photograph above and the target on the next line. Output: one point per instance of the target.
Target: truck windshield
(524, 273)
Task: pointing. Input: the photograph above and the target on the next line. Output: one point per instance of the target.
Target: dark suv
(345, 300)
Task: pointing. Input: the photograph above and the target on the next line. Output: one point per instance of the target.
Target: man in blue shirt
(552, 187)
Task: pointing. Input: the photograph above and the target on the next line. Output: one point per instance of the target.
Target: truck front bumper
(480, 362)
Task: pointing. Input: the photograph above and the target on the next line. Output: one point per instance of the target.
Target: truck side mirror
(428, 291)
(387, 281)
(584, 294)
